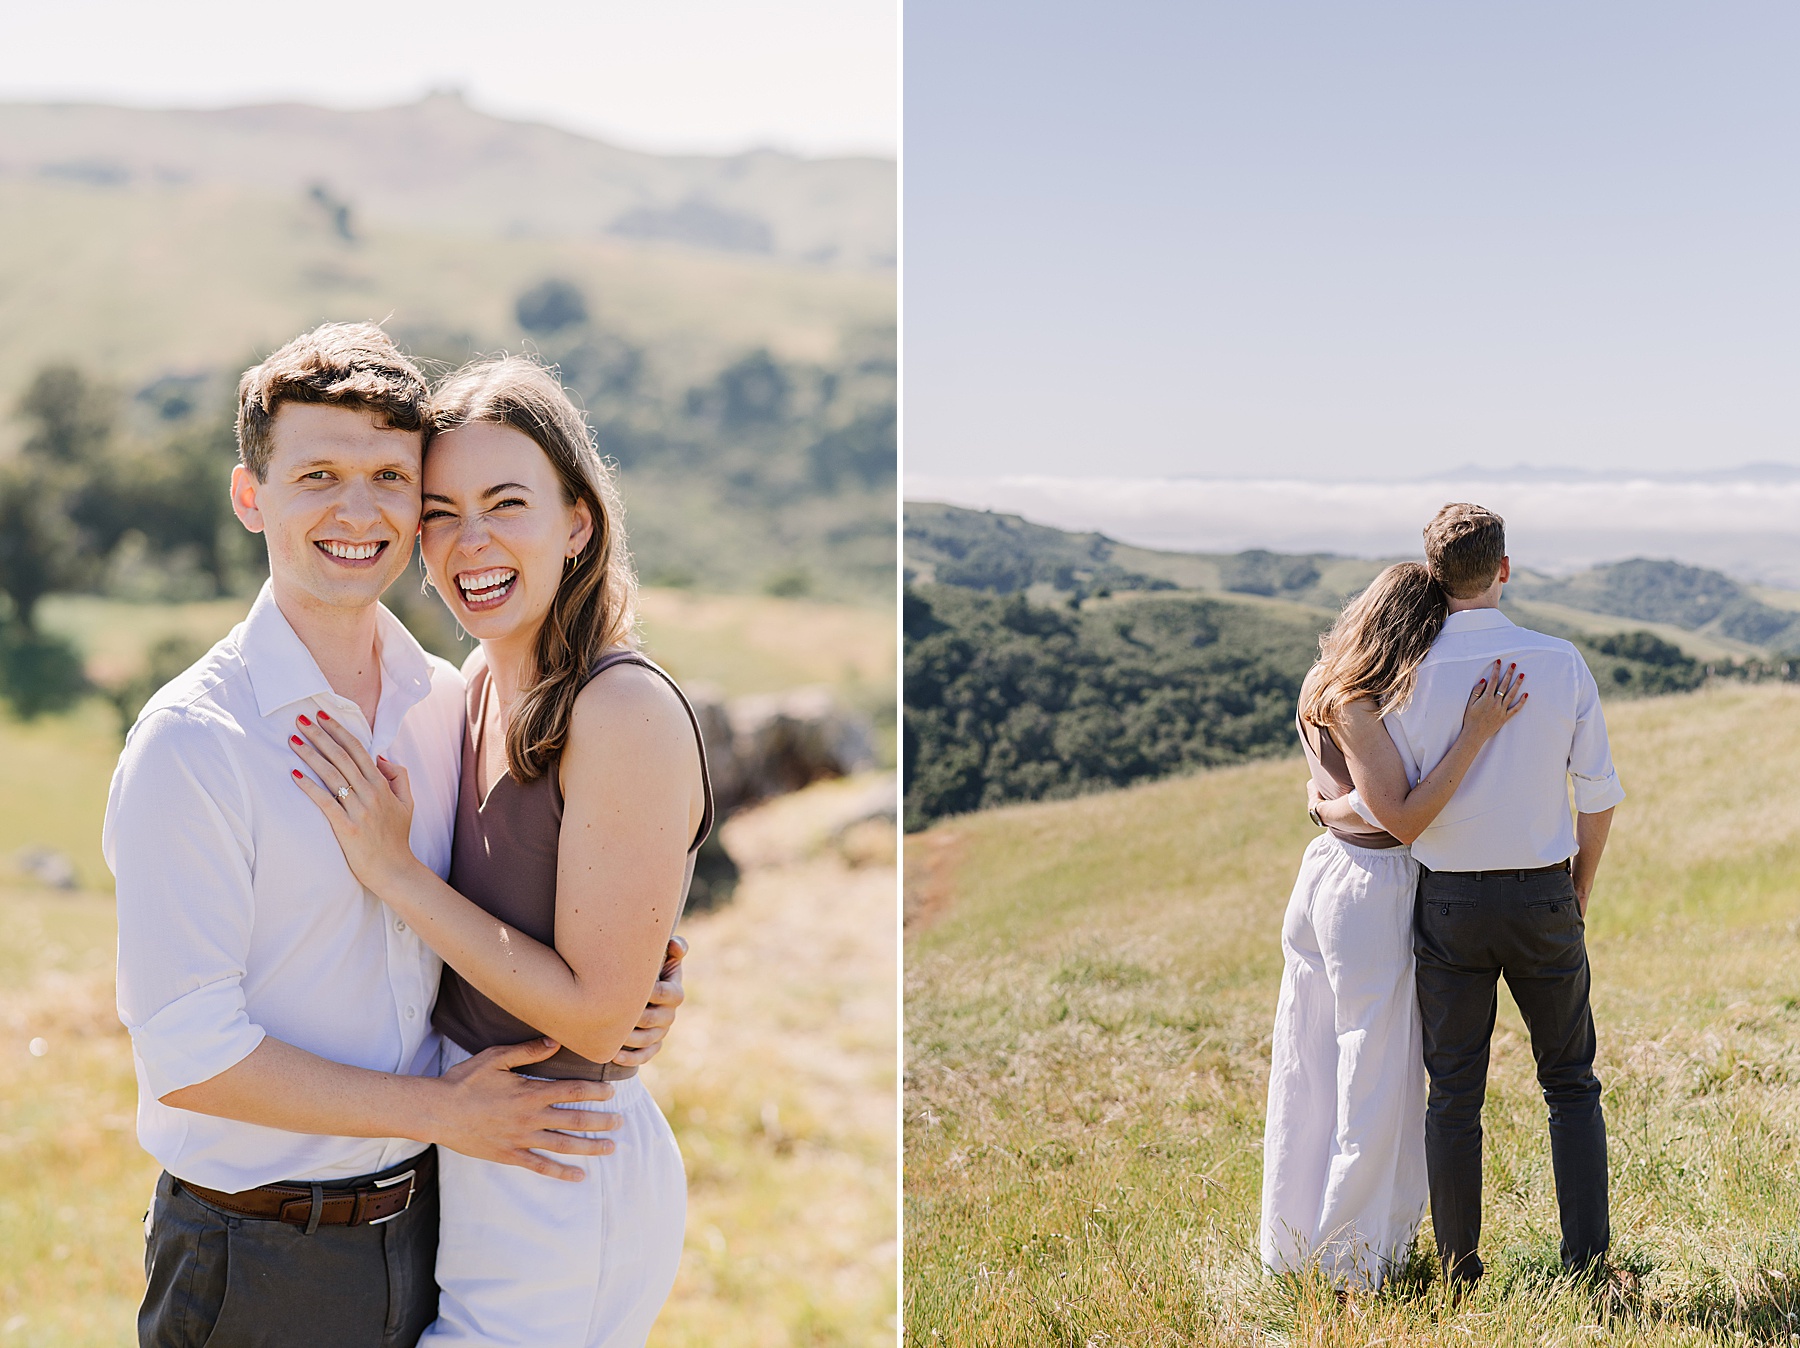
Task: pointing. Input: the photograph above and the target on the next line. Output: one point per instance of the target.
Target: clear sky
(1325, 240)
(815, 76)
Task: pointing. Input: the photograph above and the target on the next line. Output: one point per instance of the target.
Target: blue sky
(817, 76)
(1329, 240)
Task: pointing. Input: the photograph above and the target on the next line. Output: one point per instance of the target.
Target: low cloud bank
(1744, 523)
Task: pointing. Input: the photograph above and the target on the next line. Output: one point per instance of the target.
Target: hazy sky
(818, 76)
(1330, 240)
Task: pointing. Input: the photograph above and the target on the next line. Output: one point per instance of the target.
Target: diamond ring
(343, 793)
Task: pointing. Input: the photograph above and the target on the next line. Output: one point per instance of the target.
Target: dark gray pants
(240, 1282)
(1467, 933)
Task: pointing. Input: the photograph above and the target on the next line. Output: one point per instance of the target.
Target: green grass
(142, 282)
(1090, 987)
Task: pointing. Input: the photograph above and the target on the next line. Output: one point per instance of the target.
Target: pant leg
(1457, 976)
(1302, 1083)
(227, 1281)
(1375, 1190)
(1548, 975)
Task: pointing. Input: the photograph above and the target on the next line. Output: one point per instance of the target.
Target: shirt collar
(282, 671)
(1476, 620)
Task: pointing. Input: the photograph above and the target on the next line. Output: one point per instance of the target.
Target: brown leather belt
(313, 1205)
(1507, 874)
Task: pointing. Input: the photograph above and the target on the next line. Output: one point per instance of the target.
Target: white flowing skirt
(1344, 1147)
(544, 1263)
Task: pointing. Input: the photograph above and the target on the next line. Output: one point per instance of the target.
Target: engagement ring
(343, 793)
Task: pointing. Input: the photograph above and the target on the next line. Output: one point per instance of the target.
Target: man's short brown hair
(338, 364)
(1464, 546)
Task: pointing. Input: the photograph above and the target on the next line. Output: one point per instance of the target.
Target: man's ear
(1505, 570)
(244, 487)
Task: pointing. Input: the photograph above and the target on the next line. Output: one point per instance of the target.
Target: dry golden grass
(1090, 986)
(779, 1081)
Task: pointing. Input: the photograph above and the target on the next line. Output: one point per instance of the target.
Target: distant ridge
(441, 164)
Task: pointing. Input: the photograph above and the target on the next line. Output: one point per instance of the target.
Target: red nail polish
(295, 739)
(296, 774)
(303, 720)
(323, 716)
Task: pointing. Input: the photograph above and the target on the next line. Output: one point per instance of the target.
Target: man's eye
(318, 476)
(389, 475)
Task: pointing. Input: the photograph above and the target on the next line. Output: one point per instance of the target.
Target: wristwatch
(1312, 813)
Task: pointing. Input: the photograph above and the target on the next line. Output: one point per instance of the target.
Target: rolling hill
(728, 322)
(439, 163)
(1090, 989)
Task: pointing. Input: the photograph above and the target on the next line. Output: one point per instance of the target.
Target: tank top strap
(631, 657)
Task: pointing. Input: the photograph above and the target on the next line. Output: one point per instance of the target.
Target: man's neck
(344, 641)
(1482, 601)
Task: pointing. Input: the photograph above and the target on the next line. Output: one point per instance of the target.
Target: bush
(39, 673)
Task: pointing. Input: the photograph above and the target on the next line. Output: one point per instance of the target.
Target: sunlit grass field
(778, 1079)
(1090, 988)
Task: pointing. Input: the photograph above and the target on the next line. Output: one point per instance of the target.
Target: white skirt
(1344, 1147)
(545, 1263)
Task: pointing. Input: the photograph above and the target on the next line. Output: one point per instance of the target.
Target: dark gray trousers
(226, 1281)
(1467, 933)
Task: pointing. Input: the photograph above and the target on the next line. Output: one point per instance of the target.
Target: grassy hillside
(784, 1114)
(140, 282)
(439, 161)
(1090, 988)
(742, 374)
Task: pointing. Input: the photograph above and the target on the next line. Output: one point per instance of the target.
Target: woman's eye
(431, 515)
(510, 502)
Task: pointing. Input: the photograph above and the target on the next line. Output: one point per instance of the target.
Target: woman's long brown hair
(1375, 647)
(596, 601)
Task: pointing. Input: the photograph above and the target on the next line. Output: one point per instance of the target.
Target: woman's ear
(581, 529)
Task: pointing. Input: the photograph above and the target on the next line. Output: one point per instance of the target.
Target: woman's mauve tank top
(1331, 774)
(504, 859)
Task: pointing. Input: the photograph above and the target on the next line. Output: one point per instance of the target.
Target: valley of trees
(1103, 675)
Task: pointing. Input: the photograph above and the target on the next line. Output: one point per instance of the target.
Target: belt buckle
(405, 1177)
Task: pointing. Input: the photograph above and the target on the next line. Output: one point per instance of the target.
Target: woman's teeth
(352, 552)
(485, 585)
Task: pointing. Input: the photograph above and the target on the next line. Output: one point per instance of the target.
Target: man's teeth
(352, 552)
(485, 584)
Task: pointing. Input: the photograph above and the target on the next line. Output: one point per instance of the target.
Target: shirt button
(412, 1013)
(399, 924)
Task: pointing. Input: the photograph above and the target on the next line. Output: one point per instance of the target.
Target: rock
(47, 866)
(768, 745)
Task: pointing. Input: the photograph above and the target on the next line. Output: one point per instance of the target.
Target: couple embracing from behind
(394, 938)
(1444, 744)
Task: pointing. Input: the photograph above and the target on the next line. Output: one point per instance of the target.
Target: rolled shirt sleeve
(178, 842)
(1596, 784)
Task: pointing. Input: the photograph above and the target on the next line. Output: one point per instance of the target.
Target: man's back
(1512, 811)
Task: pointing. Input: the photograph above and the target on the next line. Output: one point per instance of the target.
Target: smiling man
(280, 1016)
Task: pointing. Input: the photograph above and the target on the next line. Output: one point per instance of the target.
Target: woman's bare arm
(631, 804)
(1379, 775)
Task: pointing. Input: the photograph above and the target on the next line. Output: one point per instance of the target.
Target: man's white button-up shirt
(1512, 810)
(238, 916)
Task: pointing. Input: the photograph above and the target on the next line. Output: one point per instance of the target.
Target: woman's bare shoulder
(627, 700)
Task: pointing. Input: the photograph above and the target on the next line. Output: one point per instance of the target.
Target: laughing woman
(584, 798)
